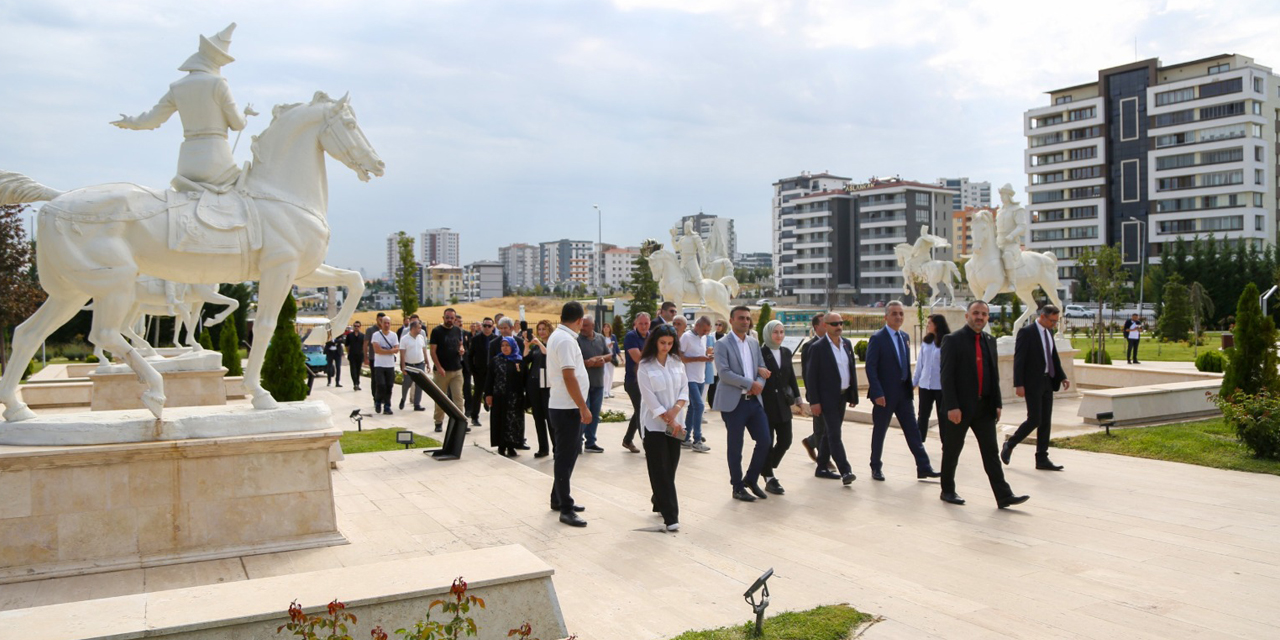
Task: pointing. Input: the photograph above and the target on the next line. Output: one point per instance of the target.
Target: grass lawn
(828, 622)
(1208, 443)
(381, 440)
(1152, 350)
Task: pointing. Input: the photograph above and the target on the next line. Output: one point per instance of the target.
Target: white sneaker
(701, 447)
(675, 526)
(686, 444)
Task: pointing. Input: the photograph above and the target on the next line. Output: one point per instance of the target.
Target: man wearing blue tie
(889, 378)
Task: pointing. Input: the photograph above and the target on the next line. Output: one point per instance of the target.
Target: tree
(618, 329)
(1251, 362)
(644, 289)
(229, 345)
(284, 370)
(1102, 271)
(1175, 318)
(20, 292)
(407, 278)
(766, 314)
(1201, 308)
(204, 339)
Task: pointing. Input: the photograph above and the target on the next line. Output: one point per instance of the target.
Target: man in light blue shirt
(742, 376)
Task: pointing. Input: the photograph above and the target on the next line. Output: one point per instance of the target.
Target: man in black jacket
(971, 400)
(355, 352)
(811, 442)
(1037, 374)
(831, 386)
(478, 358)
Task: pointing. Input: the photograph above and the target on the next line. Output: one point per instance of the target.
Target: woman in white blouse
(664, 392)
(928, 375)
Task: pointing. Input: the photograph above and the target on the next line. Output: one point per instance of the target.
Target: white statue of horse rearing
(986, 272)
(98, 254)
(675, 287)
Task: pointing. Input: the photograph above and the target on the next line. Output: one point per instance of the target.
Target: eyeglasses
(835, 324)
(487, 326)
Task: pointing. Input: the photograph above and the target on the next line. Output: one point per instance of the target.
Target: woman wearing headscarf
(504, 395)
(537, 390)
(780, 392)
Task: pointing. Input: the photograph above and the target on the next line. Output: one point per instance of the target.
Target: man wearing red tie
(971, 400)
(1037, 374)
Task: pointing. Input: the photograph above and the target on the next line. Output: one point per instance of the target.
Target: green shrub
(91, 358)
(860, 350)
(1211, 361)
(1088, 357)
(766, 314)
(284, 369)
(609, 415)
(205, 341)
(229, 345)
(1251, 363)
(1256, 419)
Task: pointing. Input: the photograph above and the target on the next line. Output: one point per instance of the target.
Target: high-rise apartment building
(520, 266)
(968, 193)
(567, 261)
(792, 230)
(703, 224)
(619, 264)
(439, 246)
(1151, 153)
(838, 243)
(482, 280)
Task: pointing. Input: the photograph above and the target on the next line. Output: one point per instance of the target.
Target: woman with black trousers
(928, 375)
(780, 392)
(537, 387)
(664, 392)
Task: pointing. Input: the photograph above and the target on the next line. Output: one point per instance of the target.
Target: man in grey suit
(742, 376)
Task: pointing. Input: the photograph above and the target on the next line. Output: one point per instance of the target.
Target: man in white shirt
(413, 353)
(742, 376)
(567, 410)
(385, 345)
(1037, 374)
(696, 355)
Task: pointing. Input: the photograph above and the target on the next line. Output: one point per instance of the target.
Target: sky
(508, 120)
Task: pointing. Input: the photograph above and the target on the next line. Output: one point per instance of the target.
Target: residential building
(619, 264)
(968, 193)
(440, 283)
(788, 274)
(393, 256)
(841, 242)
(1151, 153)
(482, 280)
(439, 246)
(520, 267)
(567, 261)
(753, 260)
(703, 223)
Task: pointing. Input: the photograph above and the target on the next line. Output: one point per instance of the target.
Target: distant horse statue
(987, 277)
(938, 274)
(96, 241)
(151, 300)
(675, 288)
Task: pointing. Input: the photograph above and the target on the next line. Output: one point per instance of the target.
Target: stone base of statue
(1066, 353)
(192, 380)
(71, 510)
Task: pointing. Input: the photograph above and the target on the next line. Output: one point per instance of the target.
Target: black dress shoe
(754, 487)
(418, 408)
(922, 475)
(741, 494)
(541, 454)
(387, 411)
(402, 405)
(474, 423)
(826, 473)
(577, 508)
(774, 487)
(1006, 452)
(522, 447)
(848, 478)
(876, 475)
(1045, 464)
(439, 427)
(951, 498)
(572, 520)
(1012, 500)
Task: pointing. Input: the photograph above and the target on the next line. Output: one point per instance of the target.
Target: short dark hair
(817, 318)
(650, 349)
(571, 312)
(380, 314)
(981, 302)
(1049, 310)
(668, 305)
(738, 308)
(450, 309)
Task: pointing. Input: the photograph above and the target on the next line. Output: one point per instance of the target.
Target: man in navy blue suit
(889, 379)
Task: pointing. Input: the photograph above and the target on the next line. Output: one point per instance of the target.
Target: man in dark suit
(478, 357)
(811, 442)
(830, 386)
(971, 400)
(1037, 374)
(889, 379)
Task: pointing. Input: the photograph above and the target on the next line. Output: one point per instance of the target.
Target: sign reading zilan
(874, 182)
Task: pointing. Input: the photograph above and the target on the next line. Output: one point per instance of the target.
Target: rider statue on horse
(692, 253)
(1011, 228)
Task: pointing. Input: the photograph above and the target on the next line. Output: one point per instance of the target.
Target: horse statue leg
(328, 276)
(1026, 293)
(110, 315)
(209, 295)
(273, 288)
(56, 310)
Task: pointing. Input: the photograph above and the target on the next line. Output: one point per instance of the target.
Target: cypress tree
(1175, 317)
(766, 314)
(284, 370)
(229, 345)
(1251, 362)
(644, 289)
(204, 340)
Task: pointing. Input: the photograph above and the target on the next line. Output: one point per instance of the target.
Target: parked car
(763, 301)
(1076, 311)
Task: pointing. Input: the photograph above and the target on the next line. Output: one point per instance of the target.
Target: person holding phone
(664, 392)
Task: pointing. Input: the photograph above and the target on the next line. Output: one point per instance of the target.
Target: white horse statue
(987, 275)
(151, 299)
(719, 260)
(96, 241)
(939, 274)
(674, 287)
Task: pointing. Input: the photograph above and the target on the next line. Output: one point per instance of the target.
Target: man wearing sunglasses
(831, 385)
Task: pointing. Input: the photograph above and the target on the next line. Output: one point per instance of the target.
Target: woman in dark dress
(537, 388)
(504, 395)
(780, 392)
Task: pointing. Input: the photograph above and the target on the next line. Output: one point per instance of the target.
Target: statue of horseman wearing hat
(203, 101)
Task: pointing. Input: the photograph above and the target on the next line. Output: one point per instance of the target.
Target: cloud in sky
(507, 120)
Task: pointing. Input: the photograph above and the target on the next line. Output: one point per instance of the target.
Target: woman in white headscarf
(780, 393)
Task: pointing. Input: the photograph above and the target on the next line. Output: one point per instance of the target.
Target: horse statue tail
(1053, 257)
(730, 283)
(954, 270)
(16, 188)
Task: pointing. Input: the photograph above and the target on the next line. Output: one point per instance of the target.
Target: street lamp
(599, 266)
(1142, 257)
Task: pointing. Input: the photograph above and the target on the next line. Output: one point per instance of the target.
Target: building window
(1259, 176)
(1259, 154)
(1173, 184)
(1130, 190)
(1221, 88)
(922, 199)
(1222, 133)
(1062, 100)
(1082, 114)
(1257, 108)
(1222, 111)
(1173, 117)
(1176, 161)
(1129, 119)
(1176, 96)
(922, 215)
(1083, 153)
(1259, 223)
(1175, 139)
(1222, 155)
(1221, 178)
(1257, 85)
(1219, 68)
(1087, 172)
(1257, 199)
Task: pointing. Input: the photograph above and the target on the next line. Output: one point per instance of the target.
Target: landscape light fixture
(405, 438)
(761, 584)
(357, 418)
(1106, 420)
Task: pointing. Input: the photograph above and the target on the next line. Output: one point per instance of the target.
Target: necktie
(902, 353)
(977, 349)
(1048, 355)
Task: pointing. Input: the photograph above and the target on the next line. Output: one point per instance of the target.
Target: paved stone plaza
(1113, 547)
